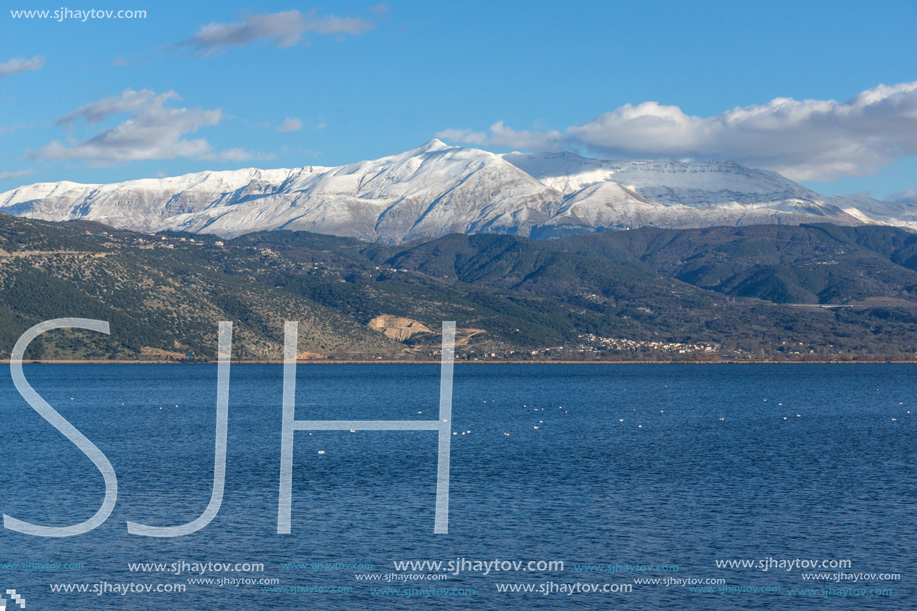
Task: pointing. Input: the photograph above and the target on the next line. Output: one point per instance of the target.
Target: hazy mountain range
(436, 189)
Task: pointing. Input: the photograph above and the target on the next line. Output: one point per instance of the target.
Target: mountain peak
(433, 145)
(436, 189)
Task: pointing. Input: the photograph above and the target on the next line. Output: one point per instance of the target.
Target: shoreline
(478, 362)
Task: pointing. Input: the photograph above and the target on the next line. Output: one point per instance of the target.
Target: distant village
(595, 343)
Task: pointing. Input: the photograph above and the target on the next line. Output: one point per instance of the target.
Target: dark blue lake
(656, 466)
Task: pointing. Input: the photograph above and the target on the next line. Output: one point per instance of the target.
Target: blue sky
(197, 86)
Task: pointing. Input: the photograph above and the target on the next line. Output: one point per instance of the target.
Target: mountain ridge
(437, 189)
(756, 292)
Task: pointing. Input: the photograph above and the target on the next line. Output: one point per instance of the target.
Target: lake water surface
(646, 465)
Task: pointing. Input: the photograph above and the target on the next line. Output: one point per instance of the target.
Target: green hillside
(735, 293)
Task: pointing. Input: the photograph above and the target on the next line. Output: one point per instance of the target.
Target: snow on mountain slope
(691, 184)
(603, 205)
(710, 193)
(426, 192)
(437, 189)
(143, 204)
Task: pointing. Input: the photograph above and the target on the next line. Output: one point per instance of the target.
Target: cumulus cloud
(801, 139)
(19, 174)
(21, 64)
(290, 124)
(284, 29)
(151, 131)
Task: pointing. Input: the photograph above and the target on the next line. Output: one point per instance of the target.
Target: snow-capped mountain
(708, 193)
(438, 189)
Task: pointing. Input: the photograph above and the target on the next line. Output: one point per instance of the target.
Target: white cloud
(285, 29)
(19, 174)
(909, 196)
(129, 100)
(21, 64)
(804, 140)
(506, 137)
(464, 136)
(290, 124)
(15, 127)
(503, 136)
(151, 131)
